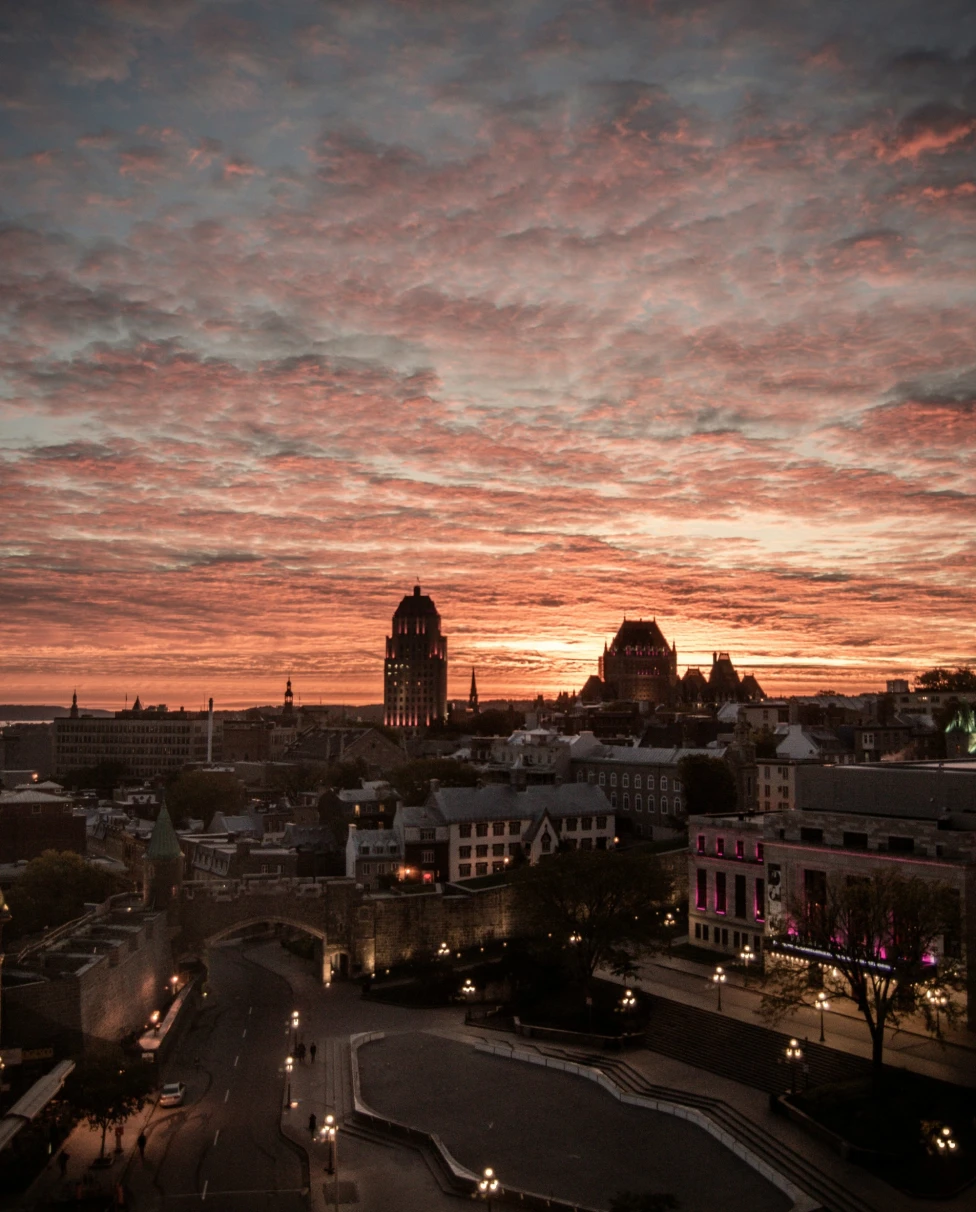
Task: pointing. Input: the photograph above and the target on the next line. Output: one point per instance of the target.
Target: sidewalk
(910, 1047)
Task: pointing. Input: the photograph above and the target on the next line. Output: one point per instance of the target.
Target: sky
(568, 311)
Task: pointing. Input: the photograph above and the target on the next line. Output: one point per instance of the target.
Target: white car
(172, 1094)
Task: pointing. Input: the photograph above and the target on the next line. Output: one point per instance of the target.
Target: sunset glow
(566, 311)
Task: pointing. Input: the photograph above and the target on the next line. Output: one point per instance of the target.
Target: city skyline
(568, 313)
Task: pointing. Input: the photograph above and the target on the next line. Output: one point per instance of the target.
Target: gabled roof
(638, 633)
(163, 844)
(500, 801)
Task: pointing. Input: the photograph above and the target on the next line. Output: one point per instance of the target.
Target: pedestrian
(141, 1145)
(63, 1158)
(119, 1130)
(311, 1052)
(301, 1054)
(311, 1125)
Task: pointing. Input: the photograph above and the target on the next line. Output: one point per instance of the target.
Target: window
(427, 835)
(481, 868)
(613, 778)
(514, 848)
(515, 828)
(701, 843)
(613, 799)
(546, 843)
(739, 848)
(637, 782)
(625, 780)
(664, 805)
(380, 868)
(855, 841)
(586, 843)
(366, 869)
(815, 887)
(464, 830)
(701, 889)
(496, 867)
(498, 848)
(481, 830)
(603, 778)
(364, 850)
(901, 845)
(426, 856)
(464, 852)
(677, 803)
(498, 829)
(697, 929)
(740, 896)
(760, 900)
(809, 834)
(626, 801)
(464, 870)
(586, 822)
(571, 824)
(720, 846)
(721, 901)
(759, 852)
(601, 822)
(638, 805)
(704, 934)
(664, 782)
(481, 851)
(677, 784)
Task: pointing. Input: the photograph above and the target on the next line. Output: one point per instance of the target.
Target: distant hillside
(17, 711)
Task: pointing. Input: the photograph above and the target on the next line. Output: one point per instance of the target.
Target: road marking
(227, 1096)
(236, 1059)
(205, 1184)
(244, 1036)
(249, 1009)
(216, 1135)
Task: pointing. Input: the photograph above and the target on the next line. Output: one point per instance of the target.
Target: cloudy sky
(567, 310)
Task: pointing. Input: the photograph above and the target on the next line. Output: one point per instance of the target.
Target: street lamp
(443, 951)
(747, 955)
(468, 989)
(718, 978)
(289, 1065)
(575, 938)
(669, 923)
(488, 1185)
(945, 1142)
(794, 1054)
(628, 1001)
(329, 1132)
(154, 1019)
(294, 1027)
(938, 999)
(822, 1003)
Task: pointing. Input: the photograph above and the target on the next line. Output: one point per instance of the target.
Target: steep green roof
(163, 843)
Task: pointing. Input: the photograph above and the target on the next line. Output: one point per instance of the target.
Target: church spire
(473, 694)
(74, 705)
(289, 702)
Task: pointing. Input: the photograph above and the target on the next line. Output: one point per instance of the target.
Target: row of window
(498, 848)
(639, 803)
(740, 848)
(591, 776)
(721, 899)
(739, 939)
(464, 870)
(497, 829)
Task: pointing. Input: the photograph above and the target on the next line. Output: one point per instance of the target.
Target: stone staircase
(807, 1175)
(743, 1052)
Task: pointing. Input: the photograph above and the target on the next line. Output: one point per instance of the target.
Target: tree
(599, 904)
(105, 1090)
(104, 777)
(54, 889)
(708, 785)
(412, 779)
(947, 679)
(200, 793)
(870, 940)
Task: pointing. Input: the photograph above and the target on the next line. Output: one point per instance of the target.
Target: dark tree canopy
(106, 1088)
(103, 777)
(412, 779)
(198, 794)
(601, 905)
(54, 889)
(947, 679)
(708, 785)
(878, 934)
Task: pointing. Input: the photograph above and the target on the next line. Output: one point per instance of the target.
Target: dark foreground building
(415, 671)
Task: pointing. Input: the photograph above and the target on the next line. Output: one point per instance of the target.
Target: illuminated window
(721, 903)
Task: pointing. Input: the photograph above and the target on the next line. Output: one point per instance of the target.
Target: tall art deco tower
(415, 671)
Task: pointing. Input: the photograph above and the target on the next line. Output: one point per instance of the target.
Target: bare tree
(872, 940)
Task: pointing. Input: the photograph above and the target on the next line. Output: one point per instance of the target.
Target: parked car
(172, 1094)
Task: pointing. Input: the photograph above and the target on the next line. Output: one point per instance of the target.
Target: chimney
(210, 732)
(435, 785)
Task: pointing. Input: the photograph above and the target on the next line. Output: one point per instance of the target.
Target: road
(224, 1146)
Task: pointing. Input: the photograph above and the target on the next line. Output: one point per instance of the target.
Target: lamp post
(794, 1054)
(822, 1003)
(747, 955)
(938, 999)
(669, 923)
(718, 979)
(467, 989)
(294, 1028)
(289, 1065)
(443, 951)
(154, 1019)
(488, 1185)
(628, 1001)
(330, 1133)
(945, 1142)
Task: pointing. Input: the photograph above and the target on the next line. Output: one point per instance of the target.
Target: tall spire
(289, 702)
(473, 693)
(74, 705)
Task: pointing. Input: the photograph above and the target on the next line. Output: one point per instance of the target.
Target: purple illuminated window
(720, 897)
(701, 889)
